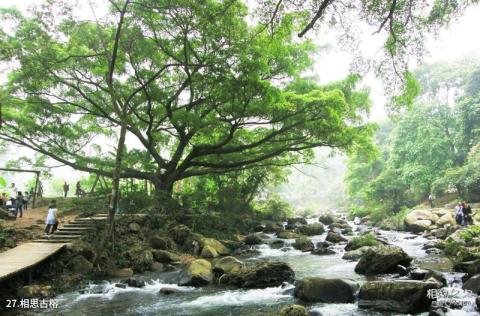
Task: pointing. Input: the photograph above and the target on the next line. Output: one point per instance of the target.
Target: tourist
(467, 214)
(66, 188)
(13, 191)
(79, 191)
(459, 214)
(431, 198)
(52, 221)
(25, 201)
(19, 204)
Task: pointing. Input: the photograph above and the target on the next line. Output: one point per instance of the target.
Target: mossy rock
(219, 248)
(227, 265)
(209, 252)
(140, 259)
(288, 235)
(362, 241)
(382, 259)
(293, 310)
(327, 219)
(180, 234)
(317, 289)
(162, 242)
(263, 275)
(197, 273)
(165, 256)
(304, 244)
(312, 229)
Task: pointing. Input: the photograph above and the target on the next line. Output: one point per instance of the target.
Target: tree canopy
(199, 90)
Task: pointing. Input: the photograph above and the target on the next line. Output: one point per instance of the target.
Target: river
(106, 299)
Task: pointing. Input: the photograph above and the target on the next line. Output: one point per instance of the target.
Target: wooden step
(74, 228)
(55, 236)
(52, 241)
(69, 232)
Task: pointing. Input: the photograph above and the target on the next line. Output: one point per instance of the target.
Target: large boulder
(473, 284)
(335, 237)
(208, 252)
(420, 220)
(296, 222)
(317, 289)
(288, 235)
(327, 219)
(304, 244)
(273, 227)
(214, 244)
(162, 242)
(267, 274)
(446, 219)
(312, 229)
(293, 310)
(197, 273)
(227, 265)
(165, 256)
(180, 234)
(121, 273)
(382, 259)
(355, 254)
(253, 239)
(469, 267)
(361, 241)
(401, 296)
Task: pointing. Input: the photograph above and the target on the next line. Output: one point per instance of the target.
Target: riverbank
(158, 267)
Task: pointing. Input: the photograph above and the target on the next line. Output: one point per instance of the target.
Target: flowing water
(106, 299)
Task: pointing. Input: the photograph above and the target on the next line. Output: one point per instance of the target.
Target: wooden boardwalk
(26, 256)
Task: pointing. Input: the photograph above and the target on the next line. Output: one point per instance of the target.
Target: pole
(35, 190)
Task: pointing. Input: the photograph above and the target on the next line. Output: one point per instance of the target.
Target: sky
(332, 64)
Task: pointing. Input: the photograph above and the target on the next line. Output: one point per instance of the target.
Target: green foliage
(364, 240)
(470, 233)
(84, 206)
(200, 98)
(432, 148)
(275, 208)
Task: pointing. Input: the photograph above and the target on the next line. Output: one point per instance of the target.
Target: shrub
(364, 240)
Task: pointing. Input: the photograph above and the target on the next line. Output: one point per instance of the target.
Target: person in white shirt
(52, 220)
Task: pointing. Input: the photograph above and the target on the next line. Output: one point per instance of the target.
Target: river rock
(134, 283)
(418, 274)
(267, 274)
(168, 291)
(317, 289)
(312, 229)
(157, 266)
(79, 264)
(121, 285)
(327, 219)
(35, 291)
(227, 265)
(477, 301)
(215, 245)
(323, 251)
(355, 254)
(401, 296)
(253, 239)
(277, 244)
(209, 252)
(272, 227)
(445, 220)
(134, 227)
(382, 259)
(121, 273)
(180, 233)
(304, 244)
(420, 220)
(165, 256)
(335, 237)
(197, 273)
(473, 284)
(470, 267)
(288, 235)
(161, 242)
(296, 222)
(293, 310)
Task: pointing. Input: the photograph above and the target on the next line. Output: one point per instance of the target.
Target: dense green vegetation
(434, 148)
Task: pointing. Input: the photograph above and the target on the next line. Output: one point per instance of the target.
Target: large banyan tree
(196, 86)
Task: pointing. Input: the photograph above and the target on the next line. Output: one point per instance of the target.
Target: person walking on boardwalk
(19, 204)
(52, 220)
(66, 188)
